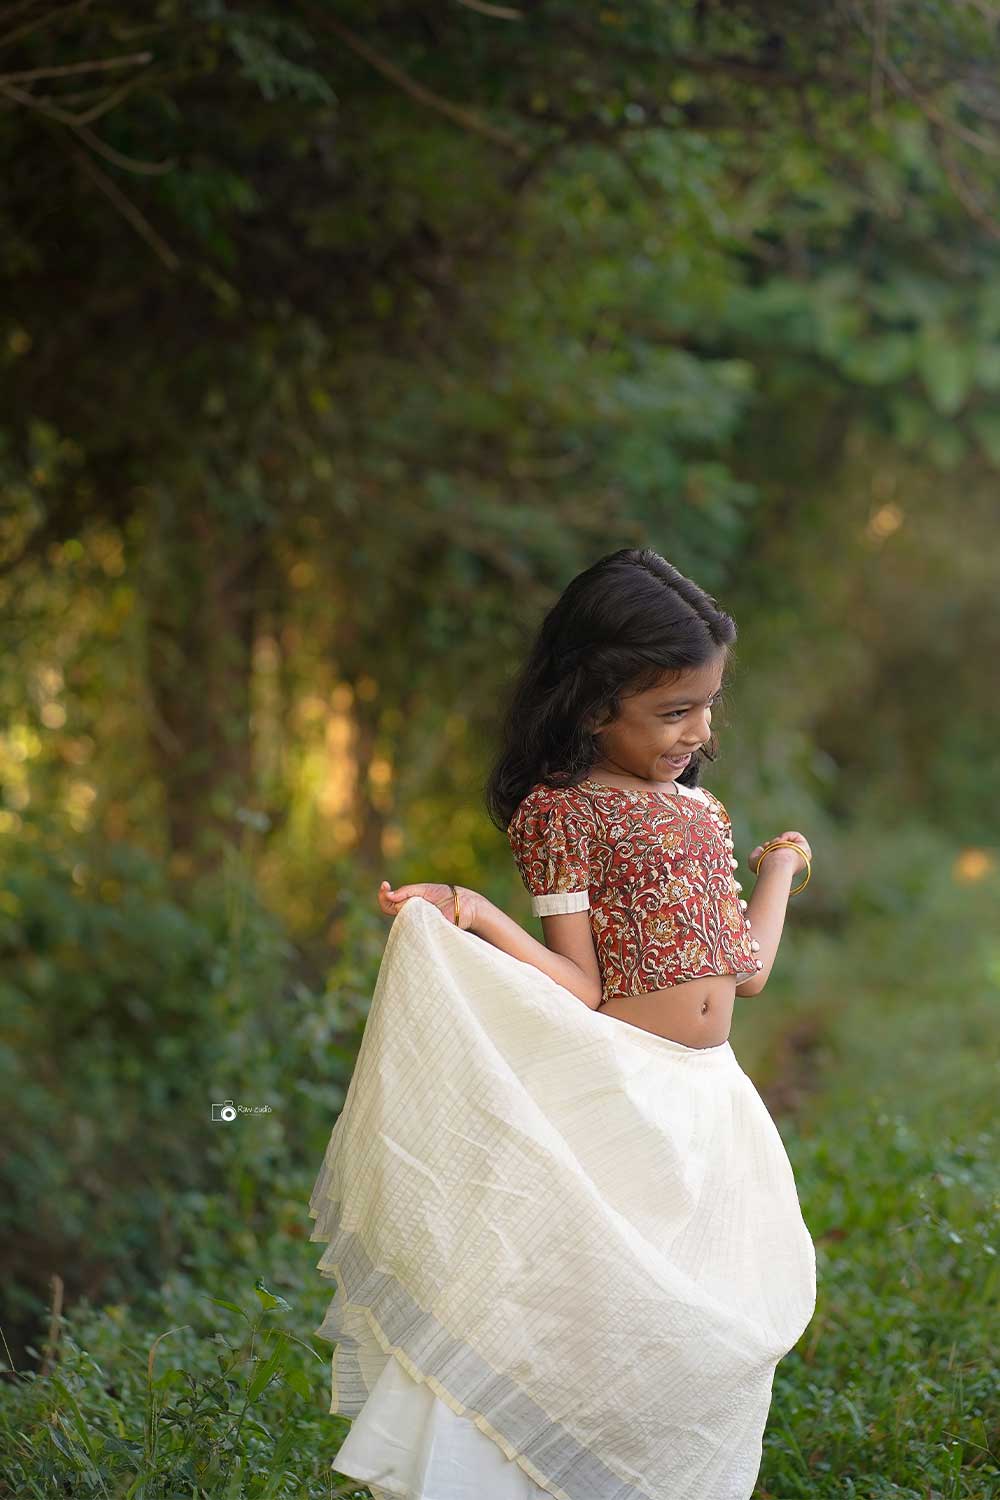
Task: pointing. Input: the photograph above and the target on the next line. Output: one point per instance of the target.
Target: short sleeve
(550, 842)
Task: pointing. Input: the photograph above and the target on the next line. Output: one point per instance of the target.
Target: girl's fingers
(390, 900)
(792, 835)
(797, 838)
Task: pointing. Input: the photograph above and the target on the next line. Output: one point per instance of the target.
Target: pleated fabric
(406, 1442)
(583, 1239)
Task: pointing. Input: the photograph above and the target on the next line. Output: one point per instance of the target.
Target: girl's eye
(678, 713)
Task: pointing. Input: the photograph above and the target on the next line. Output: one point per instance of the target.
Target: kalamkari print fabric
(656, 872)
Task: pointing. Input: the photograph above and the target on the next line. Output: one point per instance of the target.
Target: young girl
(566, 1237)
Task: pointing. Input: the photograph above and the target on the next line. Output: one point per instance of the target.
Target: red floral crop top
(654, 869)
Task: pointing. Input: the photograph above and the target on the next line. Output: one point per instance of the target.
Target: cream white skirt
(568, 1254)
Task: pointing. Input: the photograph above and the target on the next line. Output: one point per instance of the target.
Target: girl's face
(657, 731)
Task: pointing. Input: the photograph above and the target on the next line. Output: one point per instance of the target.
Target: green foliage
(445, 304)
(889, 1392)
(129, 1011)
(887, 1114)
(228, 1417)
(337, 339)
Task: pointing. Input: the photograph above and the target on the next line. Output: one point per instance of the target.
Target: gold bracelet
(787, 844)
(454, 891)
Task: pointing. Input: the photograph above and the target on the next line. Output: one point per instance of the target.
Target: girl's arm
(766, 910)
(567, 934)
(571, 959)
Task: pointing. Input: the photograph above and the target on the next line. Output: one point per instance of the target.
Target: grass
(892, 1391)
(889, 1120)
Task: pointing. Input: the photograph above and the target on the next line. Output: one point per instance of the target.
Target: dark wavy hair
(616, 629)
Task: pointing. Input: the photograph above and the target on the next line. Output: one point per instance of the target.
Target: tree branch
(127, 209)
(731, 64)
(903, 86)
(64, 69)
(425, 96)
(502, 12)
(76, 122)
(41, 21)
(963, 191)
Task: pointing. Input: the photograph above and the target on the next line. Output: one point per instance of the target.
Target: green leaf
(270, 1299)
(880, 360)
(910, 419)
(231, 1306)
(947, 446)
(986, 426)
(234, 1489)
(988, 367)
(62, 1443)
(266, 1370)
(299, 1383)
(945, 368)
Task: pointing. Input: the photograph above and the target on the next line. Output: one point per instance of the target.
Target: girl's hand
(440, 896)
(783, 856)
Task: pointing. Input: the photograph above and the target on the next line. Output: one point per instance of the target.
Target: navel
(704, 1006)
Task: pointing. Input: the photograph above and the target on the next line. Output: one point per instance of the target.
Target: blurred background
(336, 339)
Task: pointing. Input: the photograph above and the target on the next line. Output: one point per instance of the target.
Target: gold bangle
(780, 844)
(454, 891)
(787, 844)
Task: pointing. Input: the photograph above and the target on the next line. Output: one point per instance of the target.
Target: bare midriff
(697, 1013)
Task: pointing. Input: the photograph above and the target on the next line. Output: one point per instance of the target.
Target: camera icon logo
(226, 1111)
